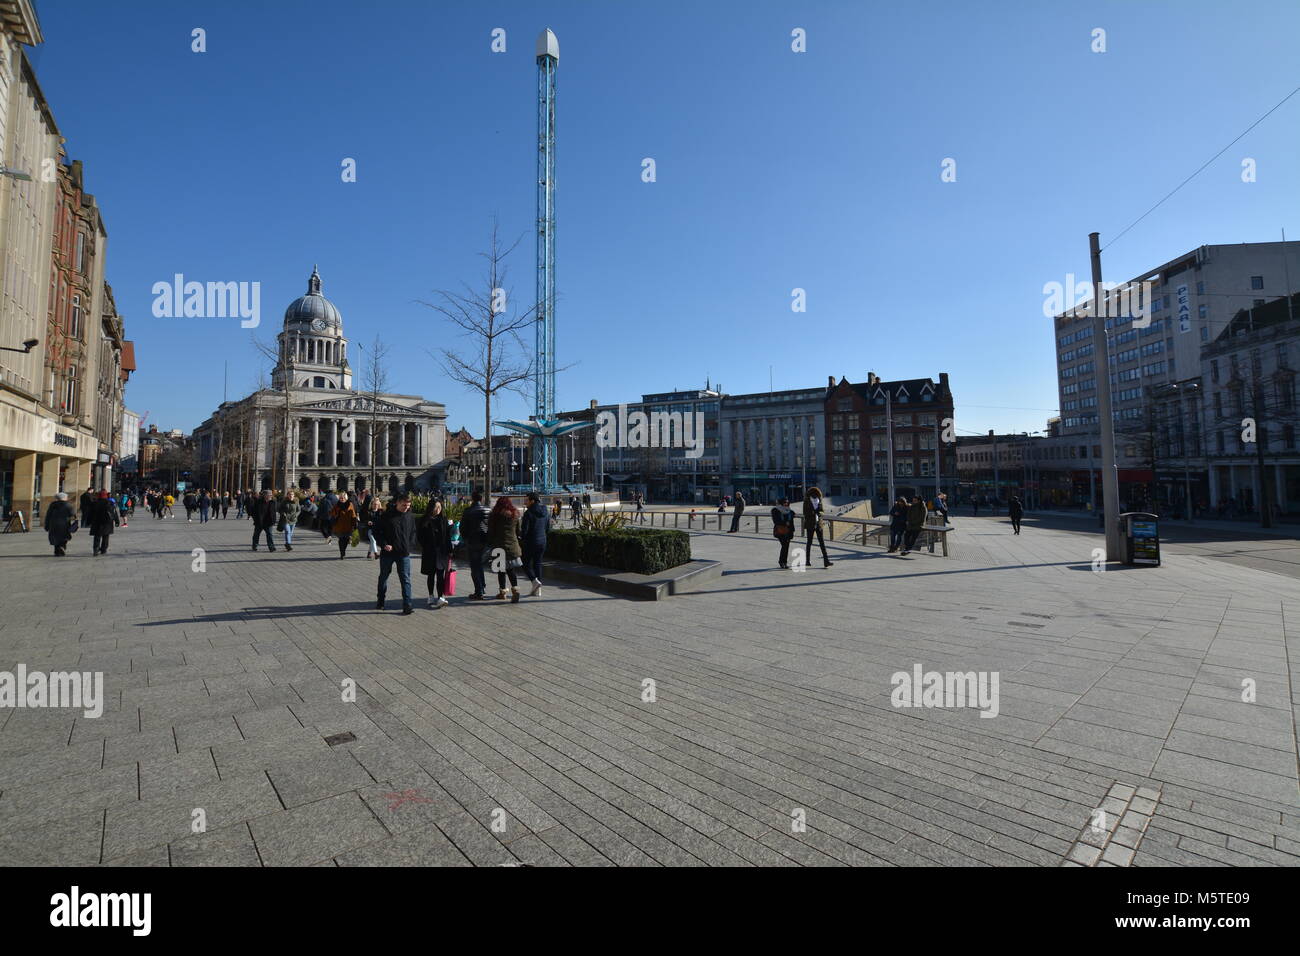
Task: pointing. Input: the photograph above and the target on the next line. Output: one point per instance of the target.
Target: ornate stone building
(338, 436)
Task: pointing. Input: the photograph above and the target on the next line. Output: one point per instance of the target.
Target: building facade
(657, 462)
(54, 360)
(311, 430)
(863, 418)
(1193, 299)
(773, 444)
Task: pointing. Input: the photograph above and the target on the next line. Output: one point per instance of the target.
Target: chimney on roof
(830, 381)
(990, 433)
(872, 379)
(943, 380)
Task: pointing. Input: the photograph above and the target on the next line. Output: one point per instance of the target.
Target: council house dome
(312, 311)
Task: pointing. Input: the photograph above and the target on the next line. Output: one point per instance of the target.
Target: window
(1257, 282)
(70, 392)
(1282, 355)
(852, 422)
(903, 468)
(877, 421)
(319, 381)
(844, 405)
(837, 422)
(837, 443)
(74, 323)
(81, 252)
(1205, 333)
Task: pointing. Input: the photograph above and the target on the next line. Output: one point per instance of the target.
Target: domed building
(339, 438)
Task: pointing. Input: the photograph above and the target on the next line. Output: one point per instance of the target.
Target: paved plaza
(499, 734)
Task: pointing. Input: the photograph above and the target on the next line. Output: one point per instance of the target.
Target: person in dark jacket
(812, 524)
(58, 523)
(263, 513)
(205, 505)
(473, 534)
(532, 540)
(783, 530)
(104, 518)
(434, 535)
(370, 519)
(191, 505)
(897, 523)
(84, 506)
(737, 512)
(503, 546)
(1015, 511)
(325, 512)
(397, 540)
(916, 512)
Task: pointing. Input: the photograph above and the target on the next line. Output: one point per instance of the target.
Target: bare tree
(374, 379)
(485, 315)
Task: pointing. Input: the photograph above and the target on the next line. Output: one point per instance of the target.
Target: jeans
(403, 564)
(816, 529)
(476, 571)
(533, 563)
(203, 515)
(785, 552)
(288, 535)
(374, 545)
(735, 518)
(257, 531)
(896, 536)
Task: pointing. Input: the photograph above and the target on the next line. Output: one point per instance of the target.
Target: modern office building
(773, 444)
(1194, 297)
(664, 446)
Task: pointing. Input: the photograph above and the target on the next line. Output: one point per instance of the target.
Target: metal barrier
(701, 521)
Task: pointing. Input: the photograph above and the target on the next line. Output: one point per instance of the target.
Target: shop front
(39, 457)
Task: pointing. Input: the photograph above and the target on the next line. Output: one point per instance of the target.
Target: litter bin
(1141, 537)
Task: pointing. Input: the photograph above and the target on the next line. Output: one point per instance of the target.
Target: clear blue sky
(776, 170)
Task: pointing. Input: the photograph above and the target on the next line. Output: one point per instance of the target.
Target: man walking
(396, 536)
(473, 534)
(737, 512)
(326, 513)
(1015, 511)
(104, 518)
(264, 516)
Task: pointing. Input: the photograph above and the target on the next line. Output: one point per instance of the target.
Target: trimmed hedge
(640, 550)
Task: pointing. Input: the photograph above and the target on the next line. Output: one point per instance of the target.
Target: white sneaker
(431, 603)
(443, 602)
(537, 589)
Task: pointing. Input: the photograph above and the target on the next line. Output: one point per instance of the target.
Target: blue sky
(776, 170)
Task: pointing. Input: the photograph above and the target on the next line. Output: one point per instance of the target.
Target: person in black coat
(104, 518)
(532, 539)
(264, 514)
(58, 524)
(397, 540)
(473, 535)
(783, 529)
(812, 524)
(1015, 511)
(897, 523)
(434, 535)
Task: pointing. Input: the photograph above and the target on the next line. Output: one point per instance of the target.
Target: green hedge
(641, 550)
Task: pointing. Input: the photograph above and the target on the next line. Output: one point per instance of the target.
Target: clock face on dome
(319, 325)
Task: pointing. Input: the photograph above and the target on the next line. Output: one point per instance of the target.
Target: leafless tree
(374, 379)
(486, 316)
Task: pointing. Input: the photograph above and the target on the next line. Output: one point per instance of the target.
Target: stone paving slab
(526, 735)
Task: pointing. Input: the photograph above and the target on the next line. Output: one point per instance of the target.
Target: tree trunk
(487, 468)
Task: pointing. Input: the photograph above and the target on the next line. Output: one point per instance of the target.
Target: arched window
(319, 381)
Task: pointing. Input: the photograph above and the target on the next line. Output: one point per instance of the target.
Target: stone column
(315, 442)
(25, 485)
(332, 458)
(401, 444)
(388, 445)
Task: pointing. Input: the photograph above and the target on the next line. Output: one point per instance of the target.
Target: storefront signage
(68, 441)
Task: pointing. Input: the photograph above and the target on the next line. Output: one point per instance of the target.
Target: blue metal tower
(545, 427)
(544, 447)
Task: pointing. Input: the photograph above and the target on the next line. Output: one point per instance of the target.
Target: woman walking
(103, 519)
(812, 524)
(289, 511)
(503, 546)
(58, 523)
(343, 519)
(370, 521)
(533, 541)
(434, 534)
(783, 530)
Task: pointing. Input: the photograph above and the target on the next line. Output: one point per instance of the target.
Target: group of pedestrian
(100, 516)
(906, 521)
(783, 525)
